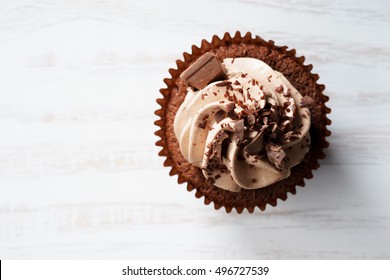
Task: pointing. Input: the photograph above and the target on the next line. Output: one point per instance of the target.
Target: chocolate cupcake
(242, 122)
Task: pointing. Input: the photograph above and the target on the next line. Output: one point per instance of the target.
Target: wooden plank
(79, 173)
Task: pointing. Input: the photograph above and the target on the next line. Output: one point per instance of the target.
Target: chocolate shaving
(306, 101)
(279, 89)
(239, 129)
(256, 145)
(219, 116)
(290, 136)
(214, 151)
(289, 109)
(202, 124)
(230, 107)
(251, 120)
(224, 146)
(264, 113)
(273, 114)
(223, 84)
(276, 155)
(286, 126)
(230, 111)
(247, 111)
(276, 132)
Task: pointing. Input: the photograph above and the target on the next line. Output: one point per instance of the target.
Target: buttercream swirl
(247, 131)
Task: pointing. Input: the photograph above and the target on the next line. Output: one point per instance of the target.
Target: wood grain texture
(79, 172)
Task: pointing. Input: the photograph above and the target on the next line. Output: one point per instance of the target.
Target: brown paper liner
(280, 59)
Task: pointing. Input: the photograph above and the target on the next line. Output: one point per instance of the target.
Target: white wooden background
(79, 173)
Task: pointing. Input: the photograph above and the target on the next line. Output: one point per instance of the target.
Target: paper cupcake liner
(245, 199)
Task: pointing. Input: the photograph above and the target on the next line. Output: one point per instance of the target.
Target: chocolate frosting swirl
(246, 131)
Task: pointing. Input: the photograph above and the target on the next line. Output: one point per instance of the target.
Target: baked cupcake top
(242, 123)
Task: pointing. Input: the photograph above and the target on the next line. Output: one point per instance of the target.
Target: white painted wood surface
(79, 172)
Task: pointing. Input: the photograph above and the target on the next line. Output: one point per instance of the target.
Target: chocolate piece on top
(205, 70)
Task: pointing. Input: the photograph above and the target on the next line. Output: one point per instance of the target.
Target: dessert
(242, 121)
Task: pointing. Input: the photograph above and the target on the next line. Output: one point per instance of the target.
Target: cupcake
(242, 122)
